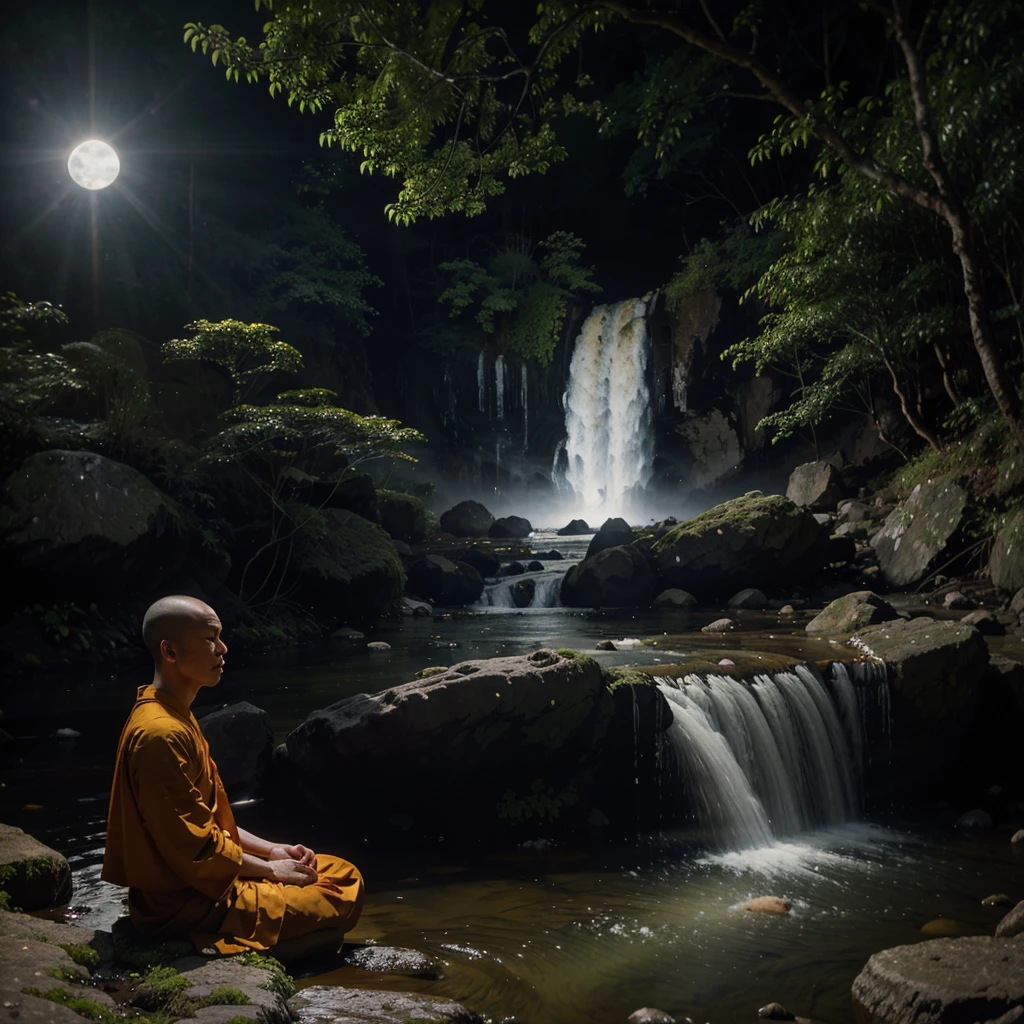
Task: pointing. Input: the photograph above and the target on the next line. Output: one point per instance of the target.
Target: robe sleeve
(178, 819)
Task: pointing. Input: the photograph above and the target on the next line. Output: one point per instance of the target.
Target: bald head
(171, 618)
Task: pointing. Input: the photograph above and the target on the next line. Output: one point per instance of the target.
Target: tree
(437, 95)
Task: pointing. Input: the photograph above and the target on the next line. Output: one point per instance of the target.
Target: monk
(172, 838)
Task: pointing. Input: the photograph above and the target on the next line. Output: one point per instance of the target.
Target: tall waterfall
(481, 382)
(499, 386)
(608, 408)
(776, 756)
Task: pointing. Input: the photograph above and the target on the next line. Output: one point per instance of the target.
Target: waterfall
(608, 414)
(774, 756)
(481, 382)
(525, 398)
(499, 387)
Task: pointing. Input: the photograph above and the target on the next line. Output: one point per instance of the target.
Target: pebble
(67, 734)
(1012, 924)
(650, 1015)
(1017, 841)
(775, 1011)
(767, 905)
(999, 899)
(976, 820)
(786, 609)
(378, 645)
(726, 661)
(948, 928)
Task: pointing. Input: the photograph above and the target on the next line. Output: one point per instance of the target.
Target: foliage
(521, 294)
(5, 901)
(83, 955)
(541, 802)
(63, 624)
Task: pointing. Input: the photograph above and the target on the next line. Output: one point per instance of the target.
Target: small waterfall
(774, 756)
(534, 590)
(608, 414)
(481, 382)
(499, 387)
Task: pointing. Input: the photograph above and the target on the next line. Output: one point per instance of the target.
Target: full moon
(93, 165)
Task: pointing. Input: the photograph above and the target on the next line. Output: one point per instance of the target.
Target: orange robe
(172, 839)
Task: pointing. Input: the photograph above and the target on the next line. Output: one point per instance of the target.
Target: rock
(403, 549)
(480, 559)
(999, 899)
(787, 609)
(493, 731)
(713, 446)
(512, 569)
(1006, 563)
(943, 980)
(535, 566)
(852, 512)
(750, 541)
(404, 516)
(767, 905)
(416, 609)
(467, 519)
(775, 1011)
(523, 592)
(984, 622)
(1012, 924)
(78, 524)
(356, 493)
(241, 739)
(1017, 841)
(919, 532)
(378, 647)
(674, 598)
(34, 876)
(614, 533)
(392, 960)
(975, 821)
(444, 582)
(749, 598)
(719, 626)
(815, 485)
(726, 661)
(575, 528)
(550, 556)
(605, 645)
(1017, 604)
(510, 527)
(957, 601)
(349, 571)
(650, 1015)
(948, 928)
(347, 633)
(329, 1004)
(852, 612)
(617, 577)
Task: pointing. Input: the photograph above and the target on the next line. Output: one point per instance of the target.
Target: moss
(616, 678)
(143, 956)
(163, 989)
(430, 670)
(87, 1008)
(403, 515)
(63, 974)
(83, 955)
(280, 981)
(5, 901)
(224, 995)
(568, 652)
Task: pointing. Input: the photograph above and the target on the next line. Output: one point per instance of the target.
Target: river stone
(481, 559)
(614, 533)
(1017, 841)
(984, 622)
(719, 626)
(411, 608)
(997, 899)
(34, 876)
(392, 960)
(815, 485)
(749, 598)
(378, 647)
(523, 592)
(535, 565)
(674, 598)
(775, 1011)
(650, 1015)
(767, 905)
(942, 981)
(76, 523)
(404, 516)
(949, 928)
(1006, 563)
(1017, 603)
(852, 612)
(444, 582)
(920, 531)
(1013, 923)
(511, 569)
(575, 528)
(241, 739)
(753, 541)
(618, 577)
(976, 820)
(957, 601)
(509, 527)
(485, 730)
(467, 519)
(330, 1004)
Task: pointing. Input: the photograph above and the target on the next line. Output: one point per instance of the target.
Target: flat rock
(392, 960)
(767, 905)
(34, 876)
(852, 612)
(378, 647)
(321, 1004)
(1013, 923)
(941, 981)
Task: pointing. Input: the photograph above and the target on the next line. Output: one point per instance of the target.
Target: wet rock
(815, 485)
(975, 821)
(948, 928)
(510, 527)
(523, 592)
(999, 899)
(650, 1015)
(613, 533)
(392, 960)
(444, 582)
(403, 549)
(411, 608)
(725, 662)
(984, 622)
(241, 739)
(852, 512)
(1017, 841)
(787, 609)
(34, 876)
(404, 516)
(919, 532)
(480, 559)
(753, 541)
(512, 569)
(535, 566)
(767, 905)
(674, 598)
(347, 633)
(467, 519)
(329, 1004)
(719, 626)
(550, 556)
(970, 979)
(957, 601)
(1006, 563)
(1017, 603)
(852, 612)
(775, 1011)
(749, 598)
(378, 647)
(1012, 924)
(575, 528)
(617, 577)
(605, 645)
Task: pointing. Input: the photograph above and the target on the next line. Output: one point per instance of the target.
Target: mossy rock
(34, 876)
(1007, 561)
(404, 516)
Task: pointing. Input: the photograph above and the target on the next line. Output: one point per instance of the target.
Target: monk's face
(197, 653)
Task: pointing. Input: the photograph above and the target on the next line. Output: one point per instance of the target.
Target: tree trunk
(910, 414)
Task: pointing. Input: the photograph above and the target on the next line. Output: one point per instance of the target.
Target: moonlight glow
(93, 165)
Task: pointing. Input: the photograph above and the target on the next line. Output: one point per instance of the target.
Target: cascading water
(775, 756)
(481, 382)
(499, 387)
(608, 414)
(525, 399)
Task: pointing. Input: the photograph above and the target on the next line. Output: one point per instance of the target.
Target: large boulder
(753, 541)
(467, 519)
(944, 981)
(483, 560)
(613, 533)
(349, 570)
(509, 527)
(618, 577)
(241, 739)
(574, 528)
(851, 612)
(1006, 562)
(444, 582)
(920, 531)
(34, 876)
(815, 485)
(403, 515)
(480, 749)
(75, 523)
